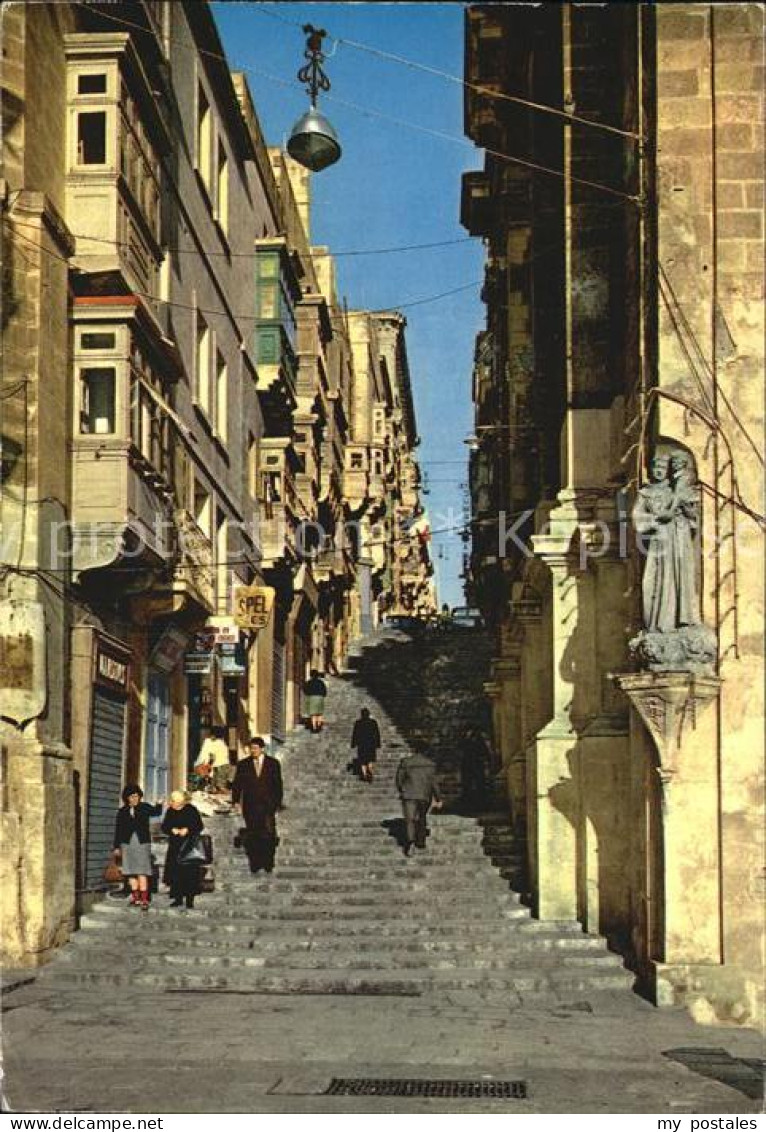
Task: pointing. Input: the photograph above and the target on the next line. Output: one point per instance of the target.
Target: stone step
(163, 919)
(239, 878)
(260, 981)
(508, 944)
(296, 960)
(263, 902)
(372, 915)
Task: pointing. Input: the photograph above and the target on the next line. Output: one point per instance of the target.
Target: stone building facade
(623, 219)
(177, 374)
(382, 475)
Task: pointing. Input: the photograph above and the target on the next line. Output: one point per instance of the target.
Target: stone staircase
(345, 911)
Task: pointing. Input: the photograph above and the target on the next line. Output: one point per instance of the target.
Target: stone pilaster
(551, 758)
(671, 705)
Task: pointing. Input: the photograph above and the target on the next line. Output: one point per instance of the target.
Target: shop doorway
(157, 764)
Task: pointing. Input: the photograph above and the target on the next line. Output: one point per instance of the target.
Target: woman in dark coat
(315, 692)
(181, 822)
(132, 842)
(366, 738)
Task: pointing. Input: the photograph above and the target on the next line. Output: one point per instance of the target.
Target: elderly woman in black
(183, 824)
(132, 842)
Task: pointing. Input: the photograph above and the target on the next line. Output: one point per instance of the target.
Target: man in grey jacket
(416, 783)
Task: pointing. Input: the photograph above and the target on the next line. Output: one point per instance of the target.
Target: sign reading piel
(252, 606)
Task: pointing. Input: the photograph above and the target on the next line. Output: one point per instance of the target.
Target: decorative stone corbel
(668, 702)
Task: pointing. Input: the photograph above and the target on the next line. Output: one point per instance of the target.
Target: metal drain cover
(420, 1087)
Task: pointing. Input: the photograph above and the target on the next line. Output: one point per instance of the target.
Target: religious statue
(666, 519)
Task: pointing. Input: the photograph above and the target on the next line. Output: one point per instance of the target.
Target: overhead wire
(249, 316)
(488, 92)
(369, 112)
(684, 321)
(208, 253)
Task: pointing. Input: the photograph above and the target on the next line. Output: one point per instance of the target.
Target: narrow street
(353, 961)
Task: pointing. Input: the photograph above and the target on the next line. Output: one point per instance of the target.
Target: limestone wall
(711, 254)
(38, 811)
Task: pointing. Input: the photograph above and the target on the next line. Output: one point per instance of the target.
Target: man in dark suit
(418, 791)
(256, 793)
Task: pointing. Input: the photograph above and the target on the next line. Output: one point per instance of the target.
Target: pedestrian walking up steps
(345, 912)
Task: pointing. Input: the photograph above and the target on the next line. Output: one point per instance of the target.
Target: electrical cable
(369, 112)
(254, 317)
(442, 135)
(252, 255)
(486, 91)
(704, 362)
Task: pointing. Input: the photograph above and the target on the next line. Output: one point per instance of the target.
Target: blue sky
(394, 185)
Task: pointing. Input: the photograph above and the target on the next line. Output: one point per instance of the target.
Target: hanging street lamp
(313, 142)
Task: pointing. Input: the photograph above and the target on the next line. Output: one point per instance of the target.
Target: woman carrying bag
(186, 854)
(132, 843)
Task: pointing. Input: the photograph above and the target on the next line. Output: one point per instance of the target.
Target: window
(357, 462)
(202, 364)
(252, 465)
(182, 479)
(221, 555)
(91, 138)
(91, 84)
(268, 299)
(267, 295)
(204, 137)
(97, 341)
(222, 193)
(221, 396)
(97, 413)
(202, 507)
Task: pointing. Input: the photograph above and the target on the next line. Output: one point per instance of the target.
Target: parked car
(463, 617)
(404, 622)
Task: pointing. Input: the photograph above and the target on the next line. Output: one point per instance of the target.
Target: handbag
(192, 851)
(113, 873)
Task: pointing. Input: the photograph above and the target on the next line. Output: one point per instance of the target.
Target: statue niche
(666, 522)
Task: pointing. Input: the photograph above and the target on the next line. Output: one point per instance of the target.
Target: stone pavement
(354, 961)
(98, 1050)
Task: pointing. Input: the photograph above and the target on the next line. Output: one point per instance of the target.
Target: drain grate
(418, 1087)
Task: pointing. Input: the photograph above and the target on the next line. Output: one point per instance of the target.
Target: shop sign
(198, 663)
(22, 659)
(232, 660)
(111, 670)
(169, 649)
(222, 631)
(253, 606)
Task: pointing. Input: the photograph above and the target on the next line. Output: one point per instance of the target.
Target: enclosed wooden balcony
(125, 434)
(278, 501)
(116, 140)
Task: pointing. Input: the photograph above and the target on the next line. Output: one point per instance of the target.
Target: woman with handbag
(132, 842)
(186, 852)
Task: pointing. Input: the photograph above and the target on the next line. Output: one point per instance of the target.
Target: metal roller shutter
(278, 693)
(105, 782)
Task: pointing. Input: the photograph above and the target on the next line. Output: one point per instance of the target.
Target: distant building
(621, 205)
(382, 474)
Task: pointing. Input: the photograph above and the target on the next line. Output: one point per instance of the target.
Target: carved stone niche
(668, 703)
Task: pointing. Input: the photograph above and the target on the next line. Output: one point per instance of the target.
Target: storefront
(101, 674)
(216, 668)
